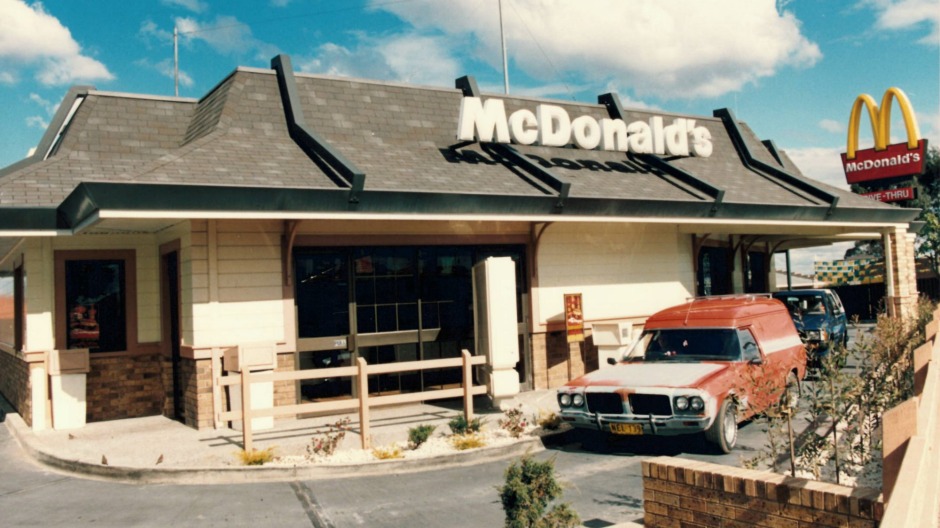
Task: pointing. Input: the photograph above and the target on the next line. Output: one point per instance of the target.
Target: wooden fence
(911, 478)
(361, 402)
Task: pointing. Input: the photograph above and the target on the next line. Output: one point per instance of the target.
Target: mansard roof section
(106, 135)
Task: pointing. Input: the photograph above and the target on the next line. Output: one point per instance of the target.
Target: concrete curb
(244, 474)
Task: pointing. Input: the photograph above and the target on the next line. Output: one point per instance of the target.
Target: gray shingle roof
(401, 137)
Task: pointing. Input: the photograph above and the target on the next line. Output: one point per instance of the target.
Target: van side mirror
(611, 361)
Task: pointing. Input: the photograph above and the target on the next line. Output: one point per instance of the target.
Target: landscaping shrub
(459, 425)
(419, 434)
(325, 444)
(255, 457)
(529, 488)
(513, 421)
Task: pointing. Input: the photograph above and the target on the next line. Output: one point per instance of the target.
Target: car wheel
(723, 432)
(790, 399)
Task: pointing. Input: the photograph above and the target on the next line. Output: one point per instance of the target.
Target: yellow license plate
(626, 429)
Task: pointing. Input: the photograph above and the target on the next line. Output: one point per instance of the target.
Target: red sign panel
(574, 317)
(893, 195)
(894, 161)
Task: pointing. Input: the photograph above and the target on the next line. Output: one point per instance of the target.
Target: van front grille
(604, 403)
(657, 404)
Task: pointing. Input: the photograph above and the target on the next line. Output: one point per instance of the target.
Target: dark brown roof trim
(90, 198)
(314, 145)
(615, 109)
(758, 166)
(468, 85)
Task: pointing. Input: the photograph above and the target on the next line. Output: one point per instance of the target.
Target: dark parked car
(820, 319)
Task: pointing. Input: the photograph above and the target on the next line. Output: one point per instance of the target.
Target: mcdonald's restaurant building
(337, 218)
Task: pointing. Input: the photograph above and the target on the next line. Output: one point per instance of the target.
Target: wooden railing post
(467, 386)
(363, 385)
(246, 410)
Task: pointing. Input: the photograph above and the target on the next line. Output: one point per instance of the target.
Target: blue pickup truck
(820, 319)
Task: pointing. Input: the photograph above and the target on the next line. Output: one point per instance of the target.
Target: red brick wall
(124, 387)
(680, 493)
(15, 385)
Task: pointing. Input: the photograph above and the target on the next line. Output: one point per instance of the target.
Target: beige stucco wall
(623, 271)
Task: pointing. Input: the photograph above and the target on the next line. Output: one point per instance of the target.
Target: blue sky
(791, 69)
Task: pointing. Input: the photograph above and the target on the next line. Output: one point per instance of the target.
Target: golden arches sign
(884, 163)
(881, 120)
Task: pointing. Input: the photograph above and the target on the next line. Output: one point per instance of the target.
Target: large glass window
(96, 301)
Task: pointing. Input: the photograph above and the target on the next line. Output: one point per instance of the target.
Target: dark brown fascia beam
(756, 165)
(468, 85)
(612, 102)
(305, 137)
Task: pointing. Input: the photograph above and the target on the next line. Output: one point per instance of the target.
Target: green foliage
(514, 421)
(843, 408)
(529, 488)
(255, 457)
(325, 444)
(419, 434)
(459, 425)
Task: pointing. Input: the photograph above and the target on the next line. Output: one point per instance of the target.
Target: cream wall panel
(237, 286)
(621, 270)
(40, 295)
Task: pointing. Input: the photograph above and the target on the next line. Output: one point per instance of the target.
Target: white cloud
(37, 122)
(35, 38)
(668, 49)
(46, 105)
(192, 5)
(821, 164)
(165, 68)
(901, 15)
(406, 58)
(225, 34)
(831, 125)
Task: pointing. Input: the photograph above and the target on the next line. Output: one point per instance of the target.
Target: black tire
(723, 433)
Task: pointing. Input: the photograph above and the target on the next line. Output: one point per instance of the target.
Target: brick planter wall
(125, 387)
(681, 493)
(15, 385)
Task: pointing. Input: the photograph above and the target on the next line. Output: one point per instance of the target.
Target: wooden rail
(912, 491)
(362, 402)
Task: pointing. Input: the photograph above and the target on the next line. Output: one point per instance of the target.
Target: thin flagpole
(502, 37)
(176, 62)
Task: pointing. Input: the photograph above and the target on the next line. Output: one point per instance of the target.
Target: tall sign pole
(502, 37)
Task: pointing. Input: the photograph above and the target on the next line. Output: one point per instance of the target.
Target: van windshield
(686, 345)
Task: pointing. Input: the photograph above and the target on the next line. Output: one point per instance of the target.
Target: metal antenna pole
(176, 62)
(502, 37)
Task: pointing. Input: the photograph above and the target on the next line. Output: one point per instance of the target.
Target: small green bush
(529, 487)
(459, 425)
(419, 434)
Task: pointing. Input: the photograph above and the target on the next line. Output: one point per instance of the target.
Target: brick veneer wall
(196, 376)
(555, 361)
(285, 392)
(124, 387)
(15, 385)
(681, 493)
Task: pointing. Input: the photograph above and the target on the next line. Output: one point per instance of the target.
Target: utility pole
(502, 37)
(176, 61)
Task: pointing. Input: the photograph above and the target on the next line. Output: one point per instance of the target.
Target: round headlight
(696, 403)
(682, 403)
(577, 400)
(564, 400)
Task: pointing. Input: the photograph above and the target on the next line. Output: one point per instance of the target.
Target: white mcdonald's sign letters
(550, 126)
(884, 161)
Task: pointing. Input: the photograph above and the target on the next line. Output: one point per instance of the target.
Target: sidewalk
(156, 449)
